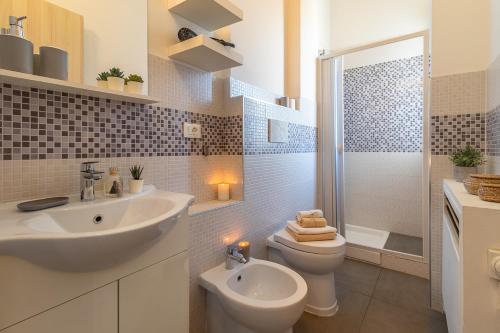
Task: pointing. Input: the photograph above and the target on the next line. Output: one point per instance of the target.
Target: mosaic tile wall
(383, 107)
(493, 132)
(276, 185)
(36, 124)
(457, 111)
(452, 132)
(493, 115)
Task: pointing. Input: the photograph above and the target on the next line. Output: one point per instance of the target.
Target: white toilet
(315, 262)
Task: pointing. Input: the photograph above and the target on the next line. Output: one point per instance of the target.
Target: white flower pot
(133, 87)
(135, 185)
(462, 173)
(116, 83)
(102, 84)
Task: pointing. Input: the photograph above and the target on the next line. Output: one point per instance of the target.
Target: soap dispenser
(16, 52)
(113, 185)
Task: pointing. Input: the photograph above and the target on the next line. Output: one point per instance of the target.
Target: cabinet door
(451, 276)
(95, 312)
(156, 299)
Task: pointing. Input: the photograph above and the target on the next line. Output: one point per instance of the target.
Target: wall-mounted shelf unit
(40, 82)
(206, 54)
(208, 14)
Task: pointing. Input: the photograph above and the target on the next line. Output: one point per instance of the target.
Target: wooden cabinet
(95, 312)
(156, 299)
(49, 25)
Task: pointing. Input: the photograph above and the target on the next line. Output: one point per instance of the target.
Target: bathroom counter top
(460, 198)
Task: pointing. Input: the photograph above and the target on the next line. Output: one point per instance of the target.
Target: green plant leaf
(135, 78)
(136, 171)
(116, 72)
(467, 157)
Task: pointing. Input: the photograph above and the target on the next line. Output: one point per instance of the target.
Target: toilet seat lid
(319, 247)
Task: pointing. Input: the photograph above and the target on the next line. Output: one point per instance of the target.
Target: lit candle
(223, 192)
(244, 249)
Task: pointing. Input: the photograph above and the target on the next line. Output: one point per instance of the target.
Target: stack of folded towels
(311, 226)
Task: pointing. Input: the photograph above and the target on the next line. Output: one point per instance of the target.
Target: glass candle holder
(223, 192)
(244, 249)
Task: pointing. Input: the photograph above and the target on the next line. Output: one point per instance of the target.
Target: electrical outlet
(192, 131)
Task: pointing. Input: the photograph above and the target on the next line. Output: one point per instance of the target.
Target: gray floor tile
(388, 318)
(310, 324)
(357, 276)
(405, 244)
(404, 290)
(352, 309)
(375, 300)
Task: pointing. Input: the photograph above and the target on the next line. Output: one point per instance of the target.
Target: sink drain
(98, 219)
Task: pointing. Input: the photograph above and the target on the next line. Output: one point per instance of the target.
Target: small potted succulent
(116, 79)
(134, 84)
(102, 79)
(136, 184)
(466, 162)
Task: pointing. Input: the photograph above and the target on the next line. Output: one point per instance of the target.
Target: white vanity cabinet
(471, 227)
(95, 312)
(144, 287)
(156, 299)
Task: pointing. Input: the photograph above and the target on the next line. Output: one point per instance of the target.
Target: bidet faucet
(232, 255)
(88, 177)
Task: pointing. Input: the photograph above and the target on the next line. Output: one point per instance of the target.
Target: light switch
(192, 131)
(278, 131)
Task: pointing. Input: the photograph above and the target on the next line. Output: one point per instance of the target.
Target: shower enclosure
(374, 141)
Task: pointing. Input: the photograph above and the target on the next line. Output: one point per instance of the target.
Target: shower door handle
(340, 148)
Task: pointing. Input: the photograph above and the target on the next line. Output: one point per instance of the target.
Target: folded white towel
(309, 231)
(309, 213)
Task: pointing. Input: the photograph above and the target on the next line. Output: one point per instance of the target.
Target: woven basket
(474, 181)
(489, 192)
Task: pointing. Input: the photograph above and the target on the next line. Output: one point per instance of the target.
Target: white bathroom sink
(83, 236)
(261, 295)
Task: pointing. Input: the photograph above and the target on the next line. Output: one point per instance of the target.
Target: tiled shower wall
(493, 117)
(458, 119)
(383, 124)
(45, 140)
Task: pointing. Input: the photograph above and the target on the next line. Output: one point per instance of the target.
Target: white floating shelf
(208, 14)
(206, 54)
(41, 82)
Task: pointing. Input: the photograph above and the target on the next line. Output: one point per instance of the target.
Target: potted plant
(466, 162)
(116, 80)
(136, 184)
(134, 84)
(102, 79)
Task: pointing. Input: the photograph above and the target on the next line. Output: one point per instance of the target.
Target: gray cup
(16, 54)
(53, 63)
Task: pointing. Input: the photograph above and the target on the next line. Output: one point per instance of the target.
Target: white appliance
(471, 290)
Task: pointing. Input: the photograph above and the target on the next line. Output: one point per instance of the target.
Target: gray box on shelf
(53, 63)
(16, 54)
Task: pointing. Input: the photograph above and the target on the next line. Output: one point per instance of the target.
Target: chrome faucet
(88, 177)
(232, 255)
